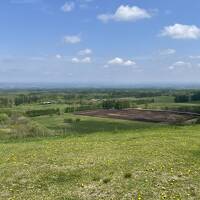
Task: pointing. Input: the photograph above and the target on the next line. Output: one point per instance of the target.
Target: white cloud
(129, 63)
(75, 60)
(195, 57)
(180, 64)
(116, 61)
(68, 7)
(84, 60)
(126, 13)
(58, 56)
(167, 52)
(180, 31)
(85, 52)
(105, 17)
(84, 4)
(72, 39)
(120, 61)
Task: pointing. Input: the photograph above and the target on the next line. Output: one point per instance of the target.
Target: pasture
(53, 153)
(102, 159)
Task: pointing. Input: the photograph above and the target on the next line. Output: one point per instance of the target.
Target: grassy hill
(102, 159)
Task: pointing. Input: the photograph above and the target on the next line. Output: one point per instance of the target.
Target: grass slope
(106, 159)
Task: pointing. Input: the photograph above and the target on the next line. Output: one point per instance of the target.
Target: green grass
(40, 106)
(172, 106)
(103, 159)
(164, 99)
(88, 125)
(27, 107)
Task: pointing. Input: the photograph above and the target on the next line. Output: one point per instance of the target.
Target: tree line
(184, 98)
(35, 113)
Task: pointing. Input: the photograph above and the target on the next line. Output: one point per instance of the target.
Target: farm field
(143, 115)
(53, 152)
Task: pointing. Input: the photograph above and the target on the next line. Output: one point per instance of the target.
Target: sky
(100, 41)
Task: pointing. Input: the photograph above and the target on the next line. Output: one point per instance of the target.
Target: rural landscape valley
(99, 144)
(99, 100)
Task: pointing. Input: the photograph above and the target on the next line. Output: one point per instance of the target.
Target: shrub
(96, 178)
(3, 118)
(127, 175)
(106, 180)
(198, 121)
(78, 120)
(69, 120)
(195, 96)
(182, 98)
(114, 104)
(17, 118)
(35, 113)
(69, 109)
(29, 130)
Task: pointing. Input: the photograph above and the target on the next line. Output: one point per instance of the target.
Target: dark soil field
(169, 117)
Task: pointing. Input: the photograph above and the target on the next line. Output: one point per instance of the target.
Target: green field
(102, 159)
(63, 156)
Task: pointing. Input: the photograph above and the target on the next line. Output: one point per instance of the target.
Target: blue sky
(100, 41)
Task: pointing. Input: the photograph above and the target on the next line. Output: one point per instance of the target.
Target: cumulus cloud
(85, 52)
(75, 60)
(68, 6)
(116, 61)
(126, 13)
(84, 60)
(180, 64)
(180, 31)
(120, 61)
(167, 52)
(72, 39)
(129, 63)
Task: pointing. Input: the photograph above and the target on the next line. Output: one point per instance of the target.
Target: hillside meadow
(93, 158)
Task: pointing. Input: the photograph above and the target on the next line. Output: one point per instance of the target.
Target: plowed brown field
(142, 115)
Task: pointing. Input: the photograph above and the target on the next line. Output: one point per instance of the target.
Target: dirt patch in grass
(143, 115)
